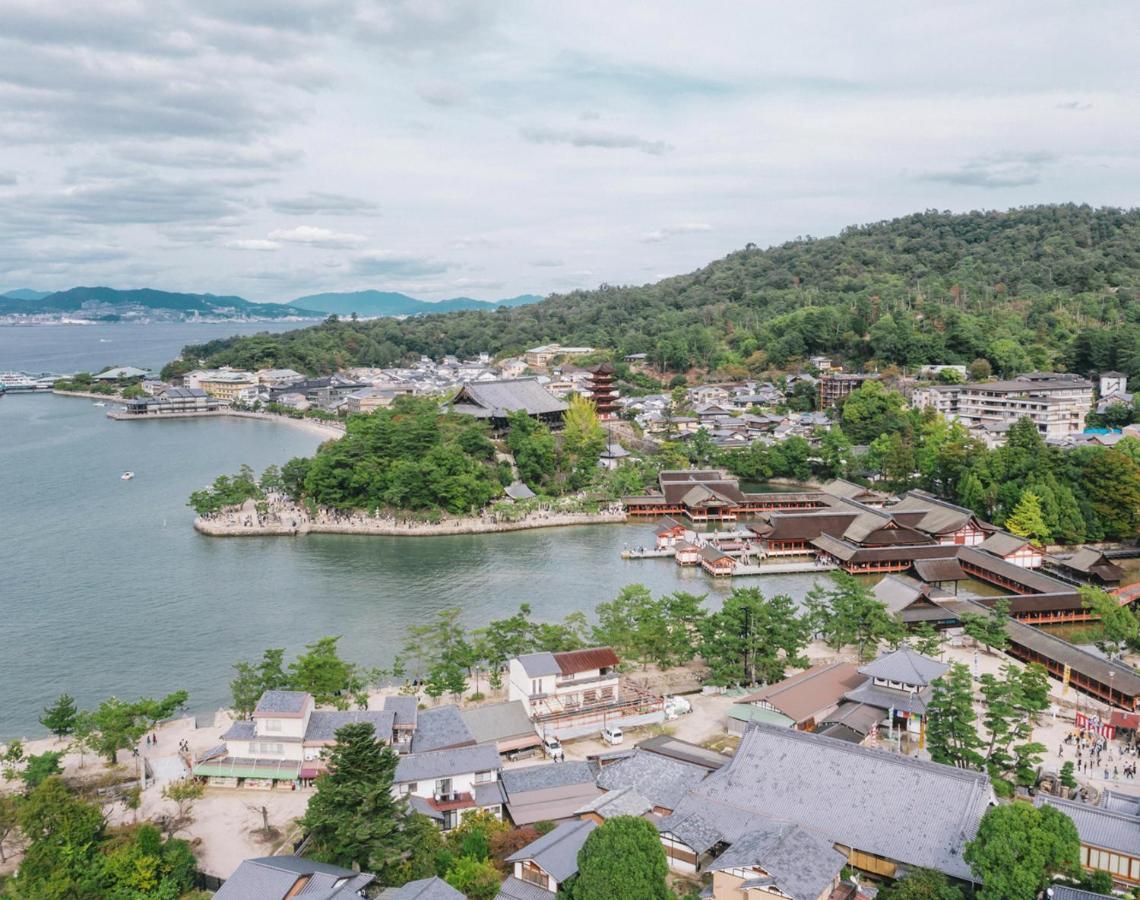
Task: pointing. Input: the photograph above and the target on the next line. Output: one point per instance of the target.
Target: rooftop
(497, 398)
(661, 780)
(801, 864)
(905, 665)
(440, 727)
(423, 889)
(574, 661)
(282, 703)
(324, 723)
(556, 852)
(808, 693)
(1099, 827)
(498, 721)
(540, 664)
(280, 877)
(446, 763)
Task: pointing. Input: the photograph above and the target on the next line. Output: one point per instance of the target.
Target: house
(541, 357)
(911, 601)
(1088, 566)
(1020, 551)
(173, 400)
(405, 712)
(423, 889)
(440, 728)
(507, 724)
(447, 784)
(899, 684)
(806, 697)
(781, 862)
(494, 400)
(554, 682)
(923, 813)
(225, 384)
(611, 804)
(834, 387)
(285, 877)
(670, 533)
(549, 792)
(662, 781)
(715, 562)
(1110, 838)
(549, 861)
(282, 742)
(944, 522)
(687, 554)
(512, 367)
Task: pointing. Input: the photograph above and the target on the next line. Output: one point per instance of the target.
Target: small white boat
(127, 476)
(99, 403)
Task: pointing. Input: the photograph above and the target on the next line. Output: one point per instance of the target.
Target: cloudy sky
(272, 148)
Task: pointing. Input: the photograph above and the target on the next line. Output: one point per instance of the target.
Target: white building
(556, 682)
(1057, 403)
(448, 784)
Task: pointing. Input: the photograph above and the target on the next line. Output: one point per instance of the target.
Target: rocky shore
(247, 523)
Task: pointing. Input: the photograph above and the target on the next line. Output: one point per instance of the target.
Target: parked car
(611, 734)
(552, 748)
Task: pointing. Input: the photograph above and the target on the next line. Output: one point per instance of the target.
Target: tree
(988, 629)
(1119, 624)
(60, 717)
(63, 834)
(1027, 520)
(1068, 776)
(927, 640)
(184, 794)
(870, 411)
(116, 724)
(321, 672)
(1019, 848)
(353, 818)
(144, 865)
(38, 768)
(849, 613)
(920, 884)
(951, 723)
(583, 439)
(752, 638)
(9, 819)
(477, 879)
(1014, 698)
(622, 858)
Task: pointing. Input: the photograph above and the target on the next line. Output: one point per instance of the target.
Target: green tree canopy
(622, 858)
(1019, 848)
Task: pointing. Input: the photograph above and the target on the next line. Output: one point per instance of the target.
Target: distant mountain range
(388, 303)
(111, 304)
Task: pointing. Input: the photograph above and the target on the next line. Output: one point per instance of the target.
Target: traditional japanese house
(687, 555)
(1020, 551)
(670, 533)
(808, 696)
(716, 562)
(1087, 566)
(1110, 837)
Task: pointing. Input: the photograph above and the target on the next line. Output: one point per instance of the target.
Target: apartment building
(1056, 402)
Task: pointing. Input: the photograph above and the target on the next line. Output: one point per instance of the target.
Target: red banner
(1093, 724)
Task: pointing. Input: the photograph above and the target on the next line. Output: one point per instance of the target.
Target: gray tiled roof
(489, 794)
(273, 877)
(547, 775)
(802, 865)
(556, 852)
(693, 829)
(281, 702)
(323, 723)
(536, 665)
(780, 776)
(661, 780)
(423, 889)
(622, 802)
(440, 727)
(241, 730)
(1064, 892)
(509, 395)
(517, 889)
(1100, 827)
(498, 721)
(905, 665)
(404, 708)
(888, 698)
(1114, 801)
(446, 763)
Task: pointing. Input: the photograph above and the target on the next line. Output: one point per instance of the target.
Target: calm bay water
(105, 588)
(89, 348)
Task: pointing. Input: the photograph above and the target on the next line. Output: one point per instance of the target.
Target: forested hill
(1046, 287)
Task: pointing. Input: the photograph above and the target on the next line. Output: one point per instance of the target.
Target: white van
(611, 734)
(552, 748)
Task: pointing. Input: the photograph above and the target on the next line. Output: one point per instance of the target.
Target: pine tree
(1027, 520)
(951, 729)
(60, 717)
(353, 819)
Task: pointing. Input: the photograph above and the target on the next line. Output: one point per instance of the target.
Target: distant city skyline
(489, 149)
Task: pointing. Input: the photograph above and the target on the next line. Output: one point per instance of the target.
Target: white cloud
(594, 138)
(252, 244)
(312, 234)
(669, 231)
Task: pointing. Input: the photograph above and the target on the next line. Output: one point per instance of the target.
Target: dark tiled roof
(440, 727)
(445, 763)
(1099, 827)
(498, 721)
(547, 775)
(273, 878)
(801, 864)
(536, 665)
(423, 889)
(324, 723)
(517, 889)
(509, 395)
(405, 709)
(660, 780)
(905, 665)
(287, 702)
(556, 852)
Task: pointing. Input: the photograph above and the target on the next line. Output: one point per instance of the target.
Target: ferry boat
(127, 476)
(17, 381)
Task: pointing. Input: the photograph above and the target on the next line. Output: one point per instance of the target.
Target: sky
(275, 148)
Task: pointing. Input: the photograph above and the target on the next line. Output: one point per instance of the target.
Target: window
(410, 788)
(536, 686)
(272, 724)
(484, 777)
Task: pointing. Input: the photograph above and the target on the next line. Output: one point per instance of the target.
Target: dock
(787, 568)
(642, 553)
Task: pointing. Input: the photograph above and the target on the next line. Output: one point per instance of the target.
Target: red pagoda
(602, 390)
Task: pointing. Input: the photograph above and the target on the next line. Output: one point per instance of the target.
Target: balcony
(447, 801)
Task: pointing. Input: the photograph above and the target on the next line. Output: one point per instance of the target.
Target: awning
(309, 774)
(244, 768)
(746, 712)
(1120, 719)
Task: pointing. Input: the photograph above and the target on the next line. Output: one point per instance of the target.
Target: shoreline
(313, 426)
(386, 528)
